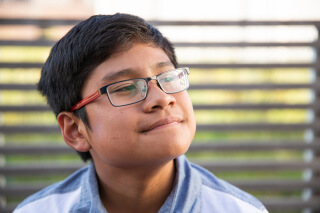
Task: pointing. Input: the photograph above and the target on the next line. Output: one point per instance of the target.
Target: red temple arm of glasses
(85, 101)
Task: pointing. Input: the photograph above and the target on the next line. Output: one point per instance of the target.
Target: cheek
(111, 134)
(185, 108)
(190, 117)
(186, 103)
(192, 126)
(111, 126)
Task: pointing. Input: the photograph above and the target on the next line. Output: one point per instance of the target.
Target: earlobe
(73, 131)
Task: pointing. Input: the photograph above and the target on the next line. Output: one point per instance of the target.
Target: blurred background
(254, 85)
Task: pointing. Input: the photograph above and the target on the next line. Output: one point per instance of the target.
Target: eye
(169, 78)
(124, 88)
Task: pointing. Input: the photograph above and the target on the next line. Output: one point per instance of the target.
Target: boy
(121, 101)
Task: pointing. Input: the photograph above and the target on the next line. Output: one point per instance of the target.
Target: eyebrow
(127, 72)
(115, 75)
(163, 64)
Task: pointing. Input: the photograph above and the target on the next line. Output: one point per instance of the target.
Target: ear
(74, 131)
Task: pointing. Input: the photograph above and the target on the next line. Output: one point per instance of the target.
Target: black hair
(73, 58)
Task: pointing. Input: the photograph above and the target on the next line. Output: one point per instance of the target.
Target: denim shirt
(195, 190)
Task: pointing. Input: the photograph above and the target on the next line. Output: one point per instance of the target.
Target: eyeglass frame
(103, 90)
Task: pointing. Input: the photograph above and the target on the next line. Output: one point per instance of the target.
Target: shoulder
(222, 201)
(59, 197)
(221, 196)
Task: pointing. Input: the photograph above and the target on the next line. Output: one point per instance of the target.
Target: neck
(136, 190)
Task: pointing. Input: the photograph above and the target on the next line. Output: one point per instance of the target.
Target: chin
(180, 148)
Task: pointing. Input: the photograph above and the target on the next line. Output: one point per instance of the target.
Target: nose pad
(154, 81)
(154, 84)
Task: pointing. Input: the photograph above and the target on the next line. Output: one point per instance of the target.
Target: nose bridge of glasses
(154, 79)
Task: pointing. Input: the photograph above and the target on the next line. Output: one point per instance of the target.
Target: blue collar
(184, 196)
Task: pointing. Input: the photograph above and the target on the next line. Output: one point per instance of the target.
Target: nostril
(156, 107)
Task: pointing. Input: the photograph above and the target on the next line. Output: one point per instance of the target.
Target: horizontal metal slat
(252, 66)
(44, 169)
(25, 108)
(19, 21)
(35, 149)
(275, 185)
(178, 44)
(30, 129)
(18, 87)
(213, 166)
(279, 204)
(260, 166)
(195, 147)
(40, 22)
(258, 126)
(232, 23)
(282, 205)
(20, 65)
(247, 106)
(246, 44)
(202, 66)
(200, 127)
(234, 106)
(253, 146)
(33, 43)
(21, 190)
(314, 86)
(286, 204)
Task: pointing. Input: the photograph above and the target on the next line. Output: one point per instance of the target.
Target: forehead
(141, 60)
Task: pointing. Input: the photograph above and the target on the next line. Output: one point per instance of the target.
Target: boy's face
(125, 136)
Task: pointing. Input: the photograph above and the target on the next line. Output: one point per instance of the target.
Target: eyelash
(123, 88)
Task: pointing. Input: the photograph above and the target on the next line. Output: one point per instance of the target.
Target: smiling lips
(165, 122)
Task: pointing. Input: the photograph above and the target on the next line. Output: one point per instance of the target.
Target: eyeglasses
(131, 91)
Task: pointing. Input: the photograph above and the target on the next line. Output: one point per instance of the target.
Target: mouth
(163, 123)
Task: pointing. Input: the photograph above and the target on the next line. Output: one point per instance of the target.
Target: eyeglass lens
(135, 90)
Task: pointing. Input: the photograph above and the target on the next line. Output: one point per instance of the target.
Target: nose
(156, 98)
